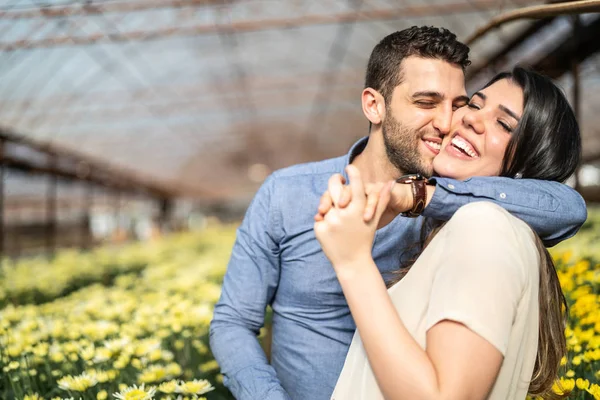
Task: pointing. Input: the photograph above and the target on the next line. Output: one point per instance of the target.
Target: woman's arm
(458, 363)
(554, 210)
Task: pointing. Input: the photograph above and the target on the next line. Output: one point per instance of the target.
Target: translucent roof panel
(200, 93)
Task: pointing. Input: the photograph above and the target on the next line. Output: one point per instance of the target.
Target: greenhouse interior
(134, 135)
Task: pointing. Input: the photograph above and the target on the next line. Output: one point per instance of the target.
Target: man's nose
(443, 120)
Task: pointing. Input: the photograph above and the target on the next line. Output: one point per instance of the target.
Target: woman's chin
(451, 169)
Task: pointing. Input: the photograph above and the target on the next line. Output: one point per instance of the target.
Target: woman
(480, 313)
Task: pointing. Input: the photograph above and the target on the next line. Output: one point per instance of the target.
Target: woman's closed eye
(504, 125)
(474, 106)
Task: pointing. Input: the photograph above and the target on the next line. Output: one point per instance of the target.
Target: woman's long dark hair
(545, 145)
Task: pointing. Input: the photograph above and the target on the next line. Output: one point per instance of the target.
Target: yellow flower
(168, 387)
(173, 369)
(582, 383)
(154, 373)
(135, 393)
(570, 374)
(102, 376)
(78, 383)
(112, 374)
(41, 349)
(57, 357)
(208, 366)
(34, 396)
(563, 385)
(137, 363)
(102, 395)
(87, 353)
(155, 355)
(594, 390)
(102, 354)
(197, 386)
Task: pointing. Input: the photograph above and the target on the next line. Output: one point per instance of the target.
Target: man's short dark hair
(384, 69)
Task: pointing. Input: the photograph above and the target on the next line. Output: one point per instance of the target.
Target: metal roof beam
(510, 46)
(93, 170)
(575, 48)
(261, 25)
(88, 9)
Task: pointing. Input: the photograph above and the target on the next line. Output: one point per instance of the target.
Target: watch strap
(418, 184)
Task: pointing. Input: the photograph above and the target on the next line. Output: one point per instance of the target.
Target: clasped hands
(349, 215)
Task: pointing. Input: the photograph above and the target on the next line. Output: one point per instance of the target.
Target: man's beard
(402, 147)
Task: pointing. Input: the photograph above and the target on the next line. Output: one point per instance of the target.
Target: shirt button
(450, 186)
(502, 195)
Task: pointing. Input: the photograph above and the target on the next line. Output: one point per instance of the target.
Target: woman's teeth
(434, 145)
(458, 142)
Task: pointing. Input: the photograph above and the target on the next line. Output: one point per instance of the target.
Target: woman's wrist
(353, 269)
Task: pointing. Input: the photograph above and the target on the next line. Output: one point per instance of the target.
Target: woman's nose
(474, 120)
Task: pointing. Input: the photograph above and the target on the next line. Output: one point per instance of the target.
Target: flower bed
(133, 324)
(148, 327)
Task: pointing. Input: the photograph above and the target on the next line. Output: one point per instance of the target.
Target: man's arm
(554, 210)
(249, 285)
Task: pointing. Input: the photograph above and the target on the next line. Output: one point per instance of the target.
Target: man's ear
(373, 105)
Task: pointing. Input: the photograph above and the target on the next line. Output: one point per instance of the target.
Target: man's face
(420, 112)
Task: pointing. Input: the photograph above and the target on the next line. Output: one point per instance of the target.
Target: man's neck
(373, 163)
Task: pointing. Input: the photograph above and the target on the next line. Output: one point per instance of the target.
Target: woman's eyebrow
(509, 112)
(501, 107)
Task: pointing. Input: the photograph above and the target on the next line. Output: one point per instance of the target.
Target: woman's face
(480, 132)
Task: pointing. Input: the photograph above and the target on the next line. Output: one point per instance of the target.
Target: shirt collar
(355, 150)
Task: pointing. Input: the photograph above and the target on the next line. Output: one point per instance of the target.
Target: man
(415, 79)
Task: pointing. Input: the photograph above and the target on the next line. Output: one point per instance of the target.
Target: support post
(2, 167)
(576, 91)
(51, 209)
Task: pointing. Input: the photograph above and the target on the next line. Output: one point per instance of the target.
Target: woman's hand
(338, 195)
(343, 233)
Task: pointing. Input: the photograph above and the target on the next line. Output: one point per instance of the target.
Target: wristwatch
(418, 184)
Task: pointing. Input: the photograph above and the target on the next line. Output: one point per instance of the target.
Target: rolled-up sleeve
(248, 287)
(554, 210)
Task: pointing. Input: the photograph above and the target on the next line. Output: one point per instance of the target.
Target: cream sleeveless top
(481, 270)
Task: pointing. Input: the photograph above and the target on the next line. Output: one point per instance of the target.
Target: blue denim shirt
(277, 261)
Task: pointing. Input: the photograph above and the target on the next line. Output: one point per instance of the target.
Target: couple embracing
(423, 274)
